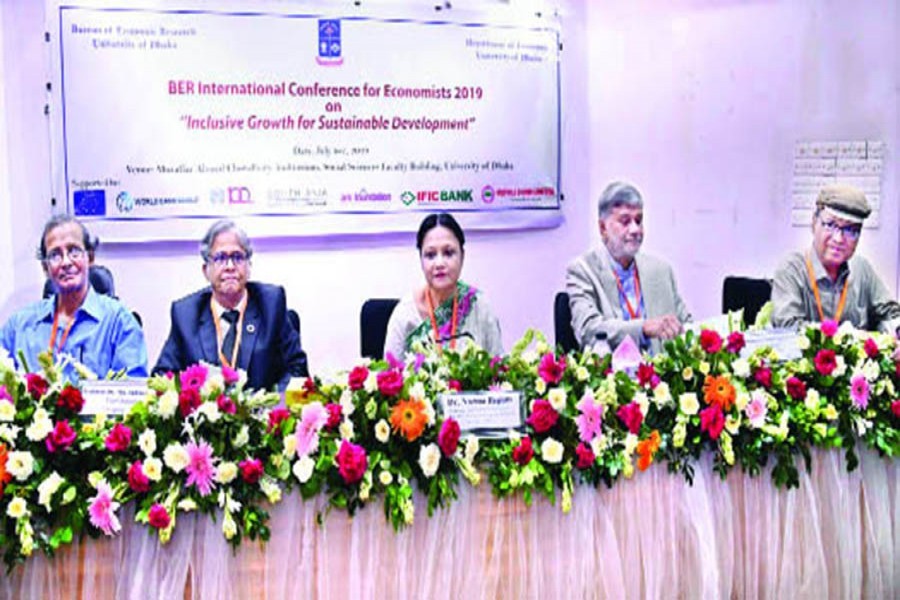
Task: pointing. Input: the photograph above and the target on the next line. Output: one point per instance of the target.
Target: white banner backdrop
(166, 115)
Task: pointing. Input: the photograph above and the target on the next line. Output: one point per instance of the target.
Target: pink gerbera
(312, 420)
(102, 510)
(590, 421)
(200, 469)
(859, 391)
(193, 377)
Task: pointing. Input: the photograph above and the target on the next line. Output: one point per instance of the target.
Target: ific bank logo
(407, 198)
(442, 196)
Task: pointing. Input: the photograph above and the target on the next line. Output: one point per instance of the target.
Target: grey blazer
(594, 297)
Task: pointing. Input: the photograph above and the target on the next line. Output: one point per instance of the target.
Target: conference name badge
(488, 414)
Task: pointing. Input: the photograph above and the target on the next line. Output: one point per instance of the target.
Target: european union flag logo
(89, 203)
(329, 40)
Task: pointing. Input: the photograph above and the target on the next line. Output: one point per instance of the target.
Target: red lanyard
(633, 311)
(434, 326)
(815, 289)
(54, 330)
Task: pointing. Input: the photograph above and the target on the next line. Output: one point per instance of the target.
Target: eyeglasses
(850, 232)
(56, 256)
(221, 259)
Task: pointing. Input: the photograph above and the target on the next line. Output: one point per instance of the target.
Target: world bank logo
(407, 198)
(124, 202)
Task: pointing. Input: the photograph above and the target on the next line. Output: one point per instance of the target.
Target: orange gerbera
(5, 476)
(409, 419)
(718, 391)
(646, 449)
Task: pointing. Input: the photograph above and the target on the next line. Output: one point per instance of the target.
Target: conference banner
(164, 113)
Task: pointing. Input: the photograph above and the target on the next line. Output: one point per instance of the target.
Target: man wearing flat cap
(614, 290)
(826, 281)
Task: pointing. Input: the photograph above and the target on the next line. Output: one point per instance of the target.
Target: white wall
(697, 102)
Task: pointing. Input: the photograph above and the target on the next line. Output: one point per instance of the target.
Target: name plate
(485, 414)
(783, 341)
(112, 397)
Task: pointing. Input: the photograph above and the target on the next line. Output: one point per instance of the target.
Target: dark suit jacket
(270, 347)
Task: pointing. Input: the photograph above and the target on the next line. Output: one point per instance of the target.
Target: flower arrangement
(201, 442)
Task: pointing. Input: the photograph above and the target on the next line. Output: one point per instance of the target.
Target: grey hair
(618, 194)
(90, 243)
(221, 226)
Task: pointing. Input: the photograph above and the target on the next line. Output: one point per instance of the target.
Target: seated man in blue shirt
(235, 322)
(93, 329)
(616, 291)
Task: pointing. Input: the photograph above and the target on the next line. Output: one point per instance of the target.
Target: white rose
(557, 399)
(152, 468)
(176, 457)
(147, 442)
(385, 478)
(167, 404)
(243, 436)
(688, 403)
(346, 430)
(213, 385)
(429, 459)
(631, 442)
(812, 399)
(20, 465)
(741, 368)
(741, 400)
(7, 411)
(226, 472)
(49, 487)
(382, 431)
(540, 386)
(209, 410)
(552, 451)
(662, 395)
(290, 446)
(346, 401)
(303, 468)
(802, 342)
(17, 508)
(581, 373)
(40, 427)
(599, 444)
(871, 370)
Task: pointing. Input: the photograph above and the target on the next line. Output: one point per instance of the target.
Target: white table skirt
(837, 536)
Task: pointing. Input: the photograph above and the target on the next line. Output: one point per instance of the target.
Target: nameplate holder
(112, 397)
(487, 415)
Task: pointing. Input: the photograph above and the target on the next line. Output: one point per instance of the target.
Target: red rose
(251, 470)
(763, 377)
(543, 416)
(158, 516)
(60, 438)
(712, 421)
(352, 462)
(226, 405)
(895, 408)
(188, 401)
(631, 417)
(523, 453)
(448, 438)
(646, 375)
(390, 382)
(118, 439)
(276, 417)
(36, 385)
(710, 341)
(137, 481)
(871, 348)
(796, 389)
(454, 385)
(550, 369)
(829, 328)
(825, 361)
(584, 457)
(71, 399)
(357, 378)
(335, 412)
(736, 342)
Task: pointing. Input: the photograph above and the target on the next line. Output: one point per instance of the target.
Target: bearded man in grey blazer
(616, 290)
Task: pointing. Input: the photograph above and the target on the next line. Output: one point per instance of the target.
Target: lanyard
(52, 348)
(815, 289)
(633, 311)
(434, 326)
(220, 338)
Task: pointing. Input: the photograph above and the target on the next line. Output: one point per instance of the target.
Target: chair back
(747, 293)
(101, 280)
(562, 323)
(373, 322)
